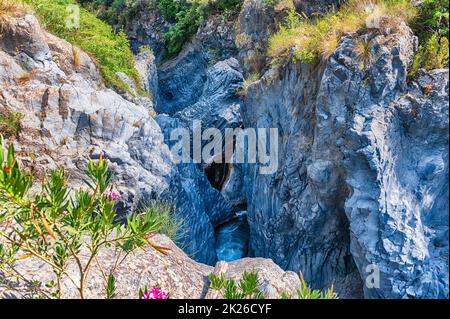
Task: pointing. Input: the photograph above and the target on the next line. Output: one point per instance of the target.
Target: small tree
(55, 227)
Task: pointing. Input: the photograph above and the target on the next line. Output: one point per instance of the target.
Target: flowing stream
(232, 239)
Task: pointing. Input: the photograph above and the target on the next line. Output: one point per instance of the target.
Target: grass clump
(247, 82)
(110, 50)
(163, 216)
(310, 40)
(10, 124)
(247, 288)
(305, 292)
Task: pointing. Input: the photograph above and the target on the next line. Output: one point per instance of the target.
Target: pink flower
(155, 293)
(115, 195)
(112, 195)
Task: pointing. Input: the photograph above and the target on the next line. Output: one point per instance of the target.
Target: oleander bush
(61, 226)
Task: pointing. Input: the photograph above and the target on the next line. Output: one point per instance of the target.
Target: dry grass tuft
(26, 77)
(12, 8)
(364, 53)
(76, 57)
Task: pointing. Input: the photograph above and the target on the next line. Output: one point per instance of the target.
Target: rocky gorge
(362, 175)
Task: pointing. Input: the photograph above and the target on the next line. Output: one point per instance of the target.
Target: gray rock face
(145, 64)
(397, 164)
(145, 26)
(296, 216)
(256, 21)
(182, 80)
(310, 7)
(217, 107)
(362, 182)
(69, 116)
(394, 144)
(363, 171)
(25, 39)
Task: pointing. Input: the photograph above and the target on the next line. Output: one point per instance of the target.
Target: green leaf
(111, 287)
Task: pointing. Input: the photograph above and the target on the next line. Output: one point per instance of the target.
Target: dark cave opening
(217, 174)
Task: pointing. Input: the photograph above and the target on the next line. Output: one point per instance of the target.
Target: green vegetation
(187, 22)
(60, 229)
(110, 50)
(305, 292)
(309, 40)
(10, 124)
(431, 26)
(248, 288)
(251, 79)
(111, 287)
(188, 16)
(163, 216)
(145, 49)
(116, 12)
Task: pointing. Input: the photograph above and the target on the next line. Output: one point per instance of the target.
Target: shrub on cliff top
(310, 39)
(431, 26)
(60, 229)
(110, 50)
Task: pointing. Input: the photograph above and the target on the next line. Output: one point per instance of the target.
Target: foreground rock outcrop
(175, 273)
